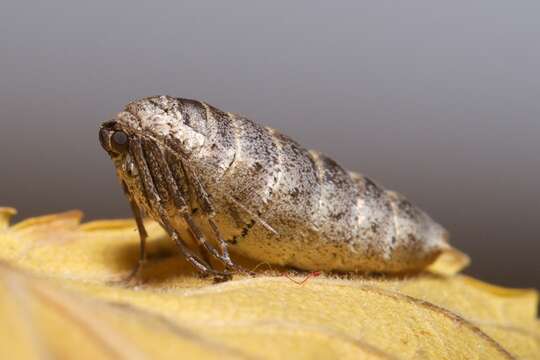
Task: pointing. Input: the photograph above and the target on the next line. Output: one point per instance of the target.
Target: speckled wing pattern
(256, 191)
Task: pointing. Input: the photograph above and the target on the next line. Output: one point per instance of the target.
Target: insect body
(241, 186)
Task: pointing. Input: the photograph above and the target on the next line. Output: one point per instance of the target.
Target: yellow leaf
(57, 301)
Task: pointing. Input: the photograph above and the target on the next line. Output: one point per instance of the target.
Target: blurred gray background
(439, 100)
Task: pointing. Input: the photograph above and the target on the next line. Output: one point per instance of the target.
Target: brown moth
(241, 186)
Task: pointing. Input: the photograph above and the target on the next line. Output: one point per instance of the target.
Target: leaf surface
(57, 300)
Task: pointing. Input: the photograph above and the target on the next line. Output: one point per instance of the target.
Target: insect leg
(201, 251)
(204, 254)
(156, 203)
(199, 264)
(208, 210)
(222, 243)
(253, 215)
(142, 234)
(181, 205)
(207, 207)
(199, 236)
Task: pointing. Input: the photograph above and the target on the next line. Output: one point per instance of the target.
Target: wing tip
(450, 262)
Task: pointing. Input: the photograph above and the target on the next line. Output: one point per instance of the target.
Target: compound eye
(119, 142)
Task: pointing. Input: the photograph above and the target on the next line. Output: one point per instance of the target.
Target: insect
(217, 181)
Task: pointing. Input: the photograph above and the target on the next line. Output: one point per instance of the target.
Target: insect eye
(119, 141)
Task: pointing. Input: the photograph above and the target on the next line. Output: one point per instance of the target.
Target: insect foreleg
(142, 234)
(181, 205)
(156, 203)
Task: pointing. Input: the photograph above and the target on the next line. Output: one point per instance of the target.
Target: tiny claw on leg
(222, 277)
(132, 278)
(218, 276)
